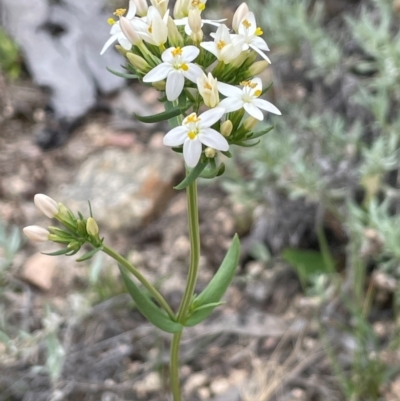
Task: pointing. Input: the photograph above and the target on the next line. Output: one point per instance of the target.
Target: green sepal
(211, 296)
(246, 144)
(266, 89)
(58, 253)
(214, 171)
(259, 134)
(122, 74)
(227, 154)
(192, 176)
(88, 255)
(148, 308)
(165, 115)
(201, 313)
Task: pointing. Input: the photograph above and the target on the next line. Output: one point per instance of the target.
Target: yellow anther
(250, 84)
(259, 31)
(111, 21)
(246, 23)
(176, 52)
(221, 44)
(184, 67)
(198, 4)
(192, 118)
(192, 134)
(119, 12)
(207, 86)
(257, 92)
(201, 6)
(150, 29)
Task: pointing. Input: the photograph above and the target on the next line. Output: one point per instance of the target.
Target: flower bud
(159, 85)
(141, 7)
(138, 62)
(240, 13)
(160, 5)
(74, 245)
(250, 123)
(208, 89)
(194, 20)
(181, 9)
(226, 128)
(210, 152)
(238, 61)
(128, 30)
(36, 233)
(91, 227)
(258, 67)
(121, 50)
(174, 36)
(47, 205)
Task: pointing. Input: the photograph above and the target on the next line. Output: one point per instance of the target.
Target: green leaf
(192, 176)
(246, 144)
(122, 74)
(88, 255)
(213, 172)
(258, 134)
(58, 253)
(211, 296)
(267, 88)
(148, 308)
(165, 115)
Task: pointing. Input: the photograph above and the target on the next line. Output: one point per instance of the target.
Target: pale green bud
(174, 36)
(238, 61)
(138, 62)
(210, 152)
(258, 67)
(250, 123)
(160, 5)
(226, 128)
(121, 50)
(91, 227)
(141, 7)
(159, 85)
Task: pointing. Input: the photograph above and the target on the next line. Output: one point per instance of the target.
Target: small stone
(39, 270)
(195, 381)
(255, 268)
(204, 393)
(384, 282)
(151, 383)
(220, 385)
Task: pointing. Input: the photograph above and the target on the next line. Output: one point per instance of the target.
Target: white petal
(193, 72)
(229, 90)
(182, 21)
(210, 117)
(167, 55)
(231, 104)
(176, 136)
(131, 10)
(175, 84)
(158, 73)
(213, 139)
(192, 151)
(267, 106)
(189, 53)
(109, 42)
(253, 111)
(224, 34)
(262, 54)
(260, 43)
(210, 47)
(214, 22)
(258, 82)
(124, 42)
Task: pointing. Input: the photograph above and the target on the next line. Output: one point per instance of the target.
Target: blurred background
(313, 313)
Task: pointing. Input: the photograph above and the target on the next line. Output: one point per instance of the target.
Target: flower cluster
(169, 51)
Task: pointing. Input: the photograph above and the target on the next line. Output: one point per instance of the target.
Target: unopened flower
(138, 62)
(153, 29)
(208, 89)
(174, 36)
(240, 13)
(141, 7)
(247, 98)
(160, 5)
(175, 68)
(195, 24)
(250, 34)
(194, 132)
(47, 205)
(182, 7)
(226, 128)
(225, 47)
(116, 32)
(129, 31)
(258, 67)
(250, 123)
(210, 152)
(91, 227)
(36, 233)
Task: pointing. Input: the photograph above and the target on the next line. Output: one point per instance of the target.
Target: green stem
(154, 293)
(194, 234)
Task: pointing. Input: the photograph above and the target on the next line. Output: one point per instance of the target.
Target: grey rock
(126, 188)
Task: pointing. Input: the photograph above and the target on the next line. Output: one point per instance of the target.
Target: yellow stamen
(221, 44)
(150, 29)
(176, 52)
(250, 84)
(192, 134)
(119, 12)
(259, 31)
(192, 118)
(111, 21)
(201, 6)
(198, 4)
(184, 67)
(207, 86)
(246, 23)
(257, 92)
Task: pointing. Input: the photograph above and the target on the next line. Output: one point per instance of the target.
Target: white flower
(116, 32)
(182, 7)
(47, 205)
(161, 5)
(185, 22)
(225, 47)
(176, 67)
(250, 34)
(153, 28)
(240, 13)
(208, 89)
(195, 132)
(247, 98)
(36, 233)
